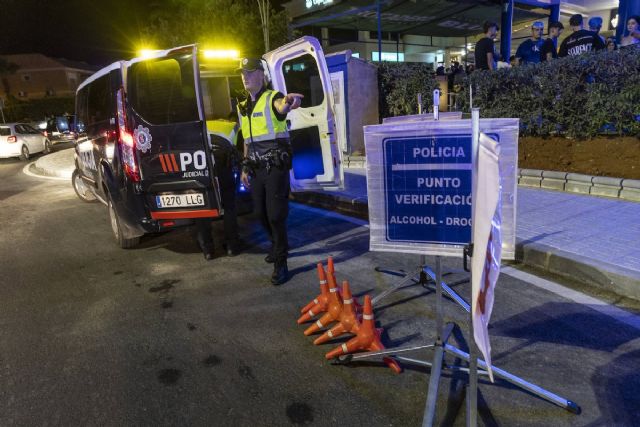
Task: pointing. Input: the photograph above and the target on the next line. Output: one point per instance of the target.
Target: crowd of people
(536, 49)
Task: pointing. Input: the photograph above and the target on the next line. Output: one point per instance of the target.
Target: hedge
(400, 83)
(579, 97)
(37, 109)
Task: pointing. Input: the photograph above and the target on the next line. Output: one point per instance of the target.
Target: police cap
(250, 64)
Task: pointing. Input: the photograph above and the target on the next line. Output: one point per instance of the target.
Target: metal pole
(506, 29)
(436, 369)
(472, 391)
(436, 104)
(420, 112)
(379, 32)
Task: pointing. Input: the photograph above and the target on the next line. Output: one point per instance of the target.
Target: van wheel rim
(114, 221)
(80, 187)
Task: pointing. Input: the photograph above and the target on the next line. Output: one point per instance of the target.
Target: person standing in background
(580, 41)
(633, 27)
(549, 48)
(529, 50)
(485, 55)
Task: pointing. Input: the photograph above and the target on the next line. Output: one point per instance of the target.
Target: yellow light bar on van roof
(220, 54)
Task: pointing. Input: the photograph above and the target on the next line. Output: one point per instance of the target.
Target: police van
(145, 127)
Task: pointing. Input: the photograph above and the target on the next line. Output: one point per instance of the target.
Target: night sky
(95, 31)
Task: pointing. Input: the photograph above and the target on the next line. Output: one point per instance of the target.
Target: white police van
(143, 145)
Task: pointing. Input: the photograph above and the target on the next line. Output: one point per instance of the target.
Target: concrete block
(606, 186)
(630, 190)
(578, 183)
(553, 180)
(530, 177)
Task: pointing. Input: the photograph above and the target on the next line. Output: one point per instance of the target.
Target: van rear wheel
(83, 191)
(117, 229)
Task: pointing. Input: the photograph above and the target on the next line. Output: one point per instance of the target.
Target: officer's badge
(143, 138)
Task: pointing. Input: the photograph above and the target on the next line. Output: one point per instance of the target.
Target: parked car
(60, 129)
(21, 140)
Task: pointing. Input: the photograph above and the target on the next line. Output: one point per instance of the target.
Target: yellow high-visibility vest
(263, 125)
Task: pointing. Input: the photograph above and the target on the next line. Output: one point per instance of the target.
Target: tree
(212, 23)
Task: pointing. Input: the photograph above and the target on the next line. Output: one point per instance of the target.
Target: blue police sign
(427, 183)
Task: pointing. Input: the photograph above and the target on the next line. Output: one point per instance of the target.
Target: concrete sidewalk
(587, 238)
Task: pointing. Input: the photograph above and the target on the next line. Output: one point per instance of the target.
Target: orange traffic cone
(333, 310)
(348, 321)
(331, 270)
(321, 302)
(367, 338)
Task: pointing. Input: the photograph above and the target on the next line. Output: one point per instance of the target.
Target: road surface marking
(600, 306)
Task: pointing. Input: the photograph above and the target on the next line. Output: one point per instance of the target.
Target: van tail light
(125, 141)
(12, 138)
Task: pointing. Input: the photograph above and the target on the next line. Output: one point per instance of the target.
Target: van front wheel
(83, 192)
(117, 229)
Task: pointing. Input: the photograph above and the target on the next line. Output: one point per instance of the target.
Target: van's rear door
(300, 67)
(165, 115)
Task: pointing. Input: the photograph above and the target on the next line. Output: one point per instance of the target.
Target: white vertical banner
(487, 243)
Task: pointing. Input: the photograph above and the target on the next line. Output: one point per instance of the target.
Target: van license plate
(180, 200)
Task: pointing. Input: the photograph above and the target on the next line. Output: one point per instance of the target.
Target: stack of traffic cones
(348, 320)
(333, 310)
(320, 303)
(338, 304)
(367, 338)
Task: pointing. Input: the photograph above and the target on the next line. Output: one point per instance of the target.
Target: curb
(617, 188)
(54, 165)
(600, 274)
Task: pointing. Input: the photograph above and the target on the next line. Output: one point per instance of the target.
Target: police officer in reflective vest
(222, 138)
(268, 158)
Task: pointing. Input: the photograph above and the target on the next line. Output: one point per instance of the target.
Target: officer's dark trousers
(270, 191)
(230, 219)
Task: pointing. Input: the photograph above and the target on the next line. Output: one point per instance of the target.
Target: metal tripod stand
(441, 347)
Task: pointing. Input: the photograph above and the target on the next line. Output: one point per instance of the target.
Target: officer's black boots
(232, 248)
(269, 259)
(280, 273)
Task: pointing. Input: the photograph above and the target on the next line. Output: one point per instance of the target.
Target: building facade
(38, 76)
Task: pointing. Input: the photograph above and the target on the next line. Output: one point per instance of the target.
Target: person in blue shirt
(529, 50)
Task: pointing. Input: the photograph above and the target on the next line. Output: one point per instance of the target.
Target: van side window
(99, 101)
(81, 109)
(301, 75)
(163, 91)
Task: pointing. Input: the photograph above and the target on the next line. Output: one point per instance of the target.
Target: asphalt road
(94, 335)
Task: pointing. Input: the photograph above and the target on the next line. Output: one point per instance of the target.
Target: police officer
(268, 158)
(223, 137)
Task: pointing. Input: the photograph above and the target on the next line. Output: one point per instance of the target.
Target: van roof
(100, 73)
(120, 64)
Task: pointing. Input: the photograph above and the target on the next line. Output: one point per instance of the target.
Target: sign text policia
(428, 189)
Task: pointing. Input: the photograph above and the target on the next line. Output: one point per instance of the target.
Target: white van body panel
(322, 115)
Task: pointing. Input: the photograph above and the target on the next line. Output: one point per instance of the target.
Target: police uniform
(268, 161)
(223, 137)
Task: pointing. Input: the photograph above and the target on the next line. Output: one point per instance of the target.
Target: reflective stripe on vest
(265, 126)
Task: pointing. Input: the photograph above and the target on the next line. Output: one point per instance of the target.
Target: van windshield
(162, 91)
